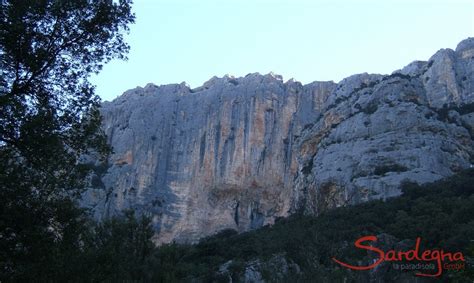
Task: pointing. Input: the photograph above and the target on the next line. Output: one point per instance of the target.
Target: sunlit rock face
(200, 160)
(240, 152)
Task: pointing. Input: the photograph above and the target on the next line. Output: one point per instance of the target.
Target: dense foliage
(121, 249)
(49, 120)
(88, 251)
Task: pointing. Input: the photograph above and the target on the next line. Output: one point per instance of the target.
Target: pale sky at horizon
(175, 40)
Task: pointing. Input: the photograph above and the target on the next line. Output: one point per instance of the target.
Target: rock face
(378, 131)
(200, 160)
(239, 152)
(278, 266)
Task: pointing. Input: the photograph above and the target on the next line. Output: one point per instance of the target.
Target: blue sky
(176, 40)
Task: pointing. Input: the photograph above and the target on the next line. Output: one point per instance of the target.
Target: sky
(309, 40)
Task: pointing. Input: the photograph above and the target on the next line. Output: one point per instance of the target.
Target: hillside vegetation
(441, 213)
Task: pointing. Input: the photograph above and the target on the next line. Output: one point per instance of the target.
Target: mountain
(240, 153)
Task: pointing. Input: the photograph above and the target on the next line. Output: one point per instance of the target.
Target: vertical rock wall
(200, 160)
(240, 152)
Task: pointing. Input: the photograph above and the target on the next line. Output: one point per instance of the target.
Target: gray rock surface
(201, 160)
(378, 131)
(239, 152)
(278, 267)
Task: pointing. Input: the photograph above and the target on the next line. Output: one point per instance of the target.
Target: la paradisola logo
(443, 260)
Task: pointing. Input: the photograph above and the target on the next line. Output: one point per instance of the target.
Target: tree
(119, 248)
(49, 120)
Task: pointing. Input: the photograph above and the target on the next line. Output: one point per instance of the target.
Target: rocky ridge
(240, 152)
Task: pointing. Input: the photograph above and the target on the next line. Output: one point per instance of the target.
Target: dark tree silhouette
(49, 120)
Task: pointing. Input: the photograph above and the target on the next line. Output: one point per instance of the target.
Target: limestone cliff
(200, 160)
(416, 124)
(240, 152)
